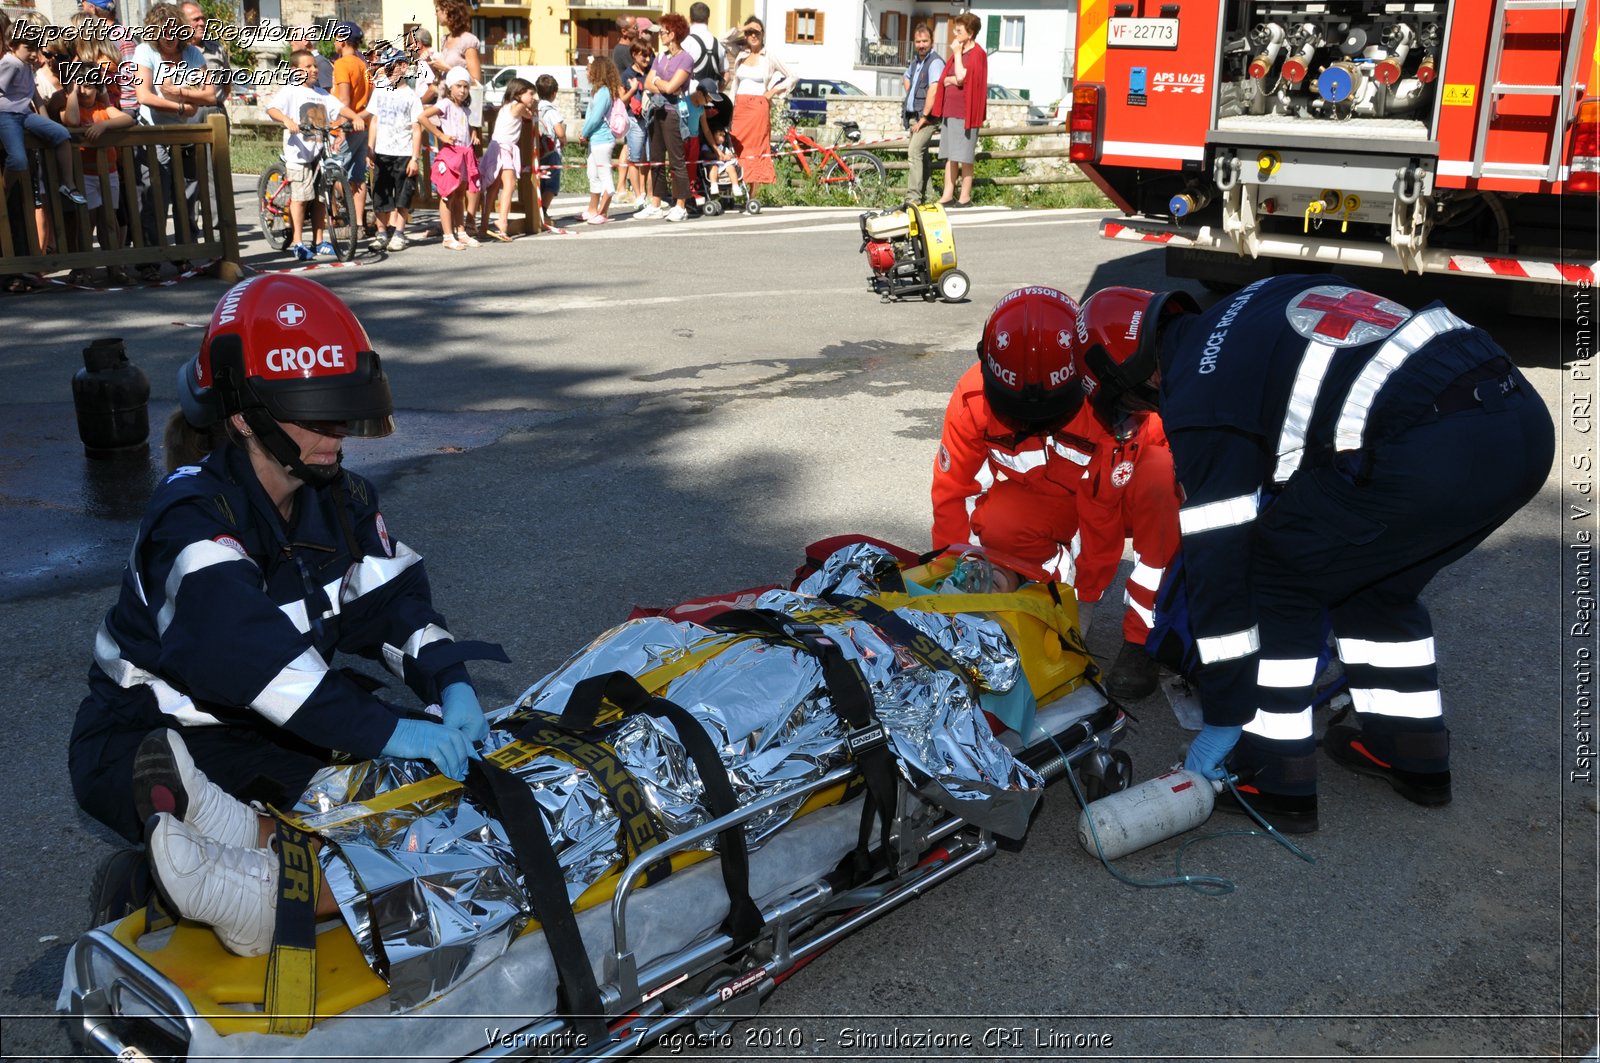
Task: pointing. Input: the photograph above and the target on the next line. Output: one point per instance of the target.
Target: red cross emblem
(1344, 317)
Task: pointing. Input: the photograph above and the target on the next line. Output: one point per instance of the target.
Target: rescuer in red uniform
(1026, 470)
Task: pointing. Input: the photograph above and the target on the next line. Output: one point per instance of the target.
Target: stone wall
(880, 116)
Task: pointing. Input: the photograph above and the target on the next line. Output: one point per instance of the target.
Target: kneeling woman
(259, 557)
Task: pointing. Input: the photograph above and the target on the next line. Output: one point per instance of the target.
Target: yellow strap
(291, 988)
(339, 815)
(1052, 615)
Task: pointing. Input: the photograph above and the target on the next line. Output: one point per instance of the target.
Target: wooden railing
(1064, 176)
(198, 152)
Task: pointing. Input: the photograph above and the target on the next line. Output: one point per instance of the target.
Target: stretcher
(663, 949)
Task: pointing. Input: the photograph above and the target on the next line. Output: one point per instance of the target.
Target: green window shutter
(992, 37)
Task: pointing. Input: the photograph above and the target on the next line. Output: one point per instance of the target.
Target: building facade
(867, 43)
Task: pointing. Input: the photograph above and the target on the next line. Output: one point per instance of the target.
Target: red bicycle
(857, 171)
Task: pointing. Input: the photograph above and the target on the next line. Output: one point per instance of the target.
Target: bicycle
(861, 173)
(339, 225)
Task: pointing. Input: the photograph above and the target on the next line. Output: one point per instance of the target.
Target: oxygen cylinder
(1151, 812)
(111, 396)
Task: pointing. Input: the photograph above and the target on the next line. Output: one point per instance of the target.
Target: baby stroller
(723, 194)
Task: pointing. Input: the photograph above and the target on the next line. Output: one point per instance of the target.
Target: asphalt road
(640, 414)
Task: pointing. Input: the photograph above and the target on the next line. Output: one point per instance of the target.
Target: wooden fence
(1069, 175)
(198, 153)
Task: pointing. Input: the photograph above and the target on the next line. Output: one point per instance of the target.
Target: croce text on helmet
(1029, 358)
(1120, 348)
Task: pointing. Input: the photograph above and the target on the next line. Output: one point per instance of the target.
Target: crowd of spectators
(675, 114)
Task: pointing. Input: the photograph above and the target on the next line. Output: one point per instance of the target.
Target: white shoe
(649, 212)
(398, 241)
(677, 214)
(166, 780)
(597, 219)
(231, 889)
(738, 190)
(711, 189)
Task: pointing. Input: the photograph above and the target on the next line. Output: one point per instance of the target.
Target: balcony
(622, 7)
(887, 55)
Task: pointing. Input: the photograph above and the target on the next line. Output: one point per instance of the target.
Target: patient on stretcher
(425, 877)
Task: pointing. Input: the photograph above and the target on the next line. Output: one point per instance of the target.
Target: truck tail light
(1083, 127)
(1583, 169)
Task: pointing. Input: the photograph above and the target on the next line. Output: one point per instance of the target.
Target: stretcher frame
(714, 982)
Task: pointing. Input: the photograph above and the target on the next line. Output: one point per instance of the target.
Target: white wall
(1040, 66)
(1048, 29)
(835, 57)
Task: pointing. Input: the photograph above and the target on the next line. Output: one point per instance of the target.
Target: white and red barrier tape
(1530, 270)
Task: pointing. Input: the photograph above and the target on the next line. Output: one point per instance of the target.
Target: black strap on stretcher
(291, 990)
(924, 647)
(624, 691)
(640, 828)
(513, 804)
(866, 738)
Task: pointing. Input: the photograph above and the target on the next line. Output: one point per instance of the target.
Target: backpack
(617, 119)
(708, 61)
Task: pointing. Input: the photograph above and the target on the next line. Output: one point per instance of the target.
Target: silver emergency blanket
(431, 889)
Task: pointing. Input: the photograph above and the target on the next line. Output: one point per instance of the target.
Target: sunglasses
(333, 429)
(752, 33)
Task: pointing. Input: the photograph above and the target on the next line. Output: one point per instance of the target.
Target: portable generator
(912, 251)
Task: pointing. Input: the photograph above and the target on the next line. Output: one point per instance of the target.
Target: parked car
(810, 95)
(496, 78)
(1037, 115)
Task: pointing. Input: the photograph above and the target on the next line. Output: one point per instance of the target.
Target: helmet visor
(358, 401)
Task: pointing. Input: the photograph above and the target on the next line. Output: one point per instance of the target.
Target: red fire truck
(1419, 135)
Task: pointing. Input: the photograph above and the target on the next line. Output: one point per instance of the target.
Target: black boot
(1133, 674)
(1349, 746)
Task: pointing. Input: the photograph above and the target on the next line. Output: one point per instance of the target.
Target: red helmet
(1029, 355)
(289, 347)
(1120, 346)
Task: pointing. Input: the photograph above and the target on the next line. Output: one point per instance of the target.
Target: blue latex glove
(463, 713)
(1210, 748)
(422, 740)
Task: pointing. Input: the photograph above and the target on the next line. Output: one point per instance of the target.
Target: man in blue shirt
(924, 72)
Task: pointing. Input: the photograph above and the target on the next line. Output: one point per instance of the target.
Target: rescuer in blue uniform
(258, 558)
(1335, 450)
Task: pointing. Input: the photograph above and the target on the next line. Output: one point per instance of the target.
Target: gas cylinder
(112, 398)
(1151, 812)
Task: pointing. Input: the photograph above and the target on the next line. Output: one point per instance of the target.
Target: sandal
(497, 234)
(23, 283)
(453, 244)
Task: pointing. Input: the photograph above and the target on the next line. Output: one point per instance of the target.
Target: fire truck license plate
(1142, 33)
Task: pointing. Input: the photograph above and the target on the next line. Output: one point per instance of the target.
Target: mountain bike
(340, 226)
(856, 171)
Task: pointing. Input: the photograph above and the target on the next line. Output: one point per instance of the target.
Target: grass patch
(252, 152)
(255, 150)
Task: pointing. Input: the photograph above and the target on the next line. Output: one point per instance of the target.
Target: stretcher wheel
(1106, 775)
(953, 286)
(752, 207)
(716, 1023)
